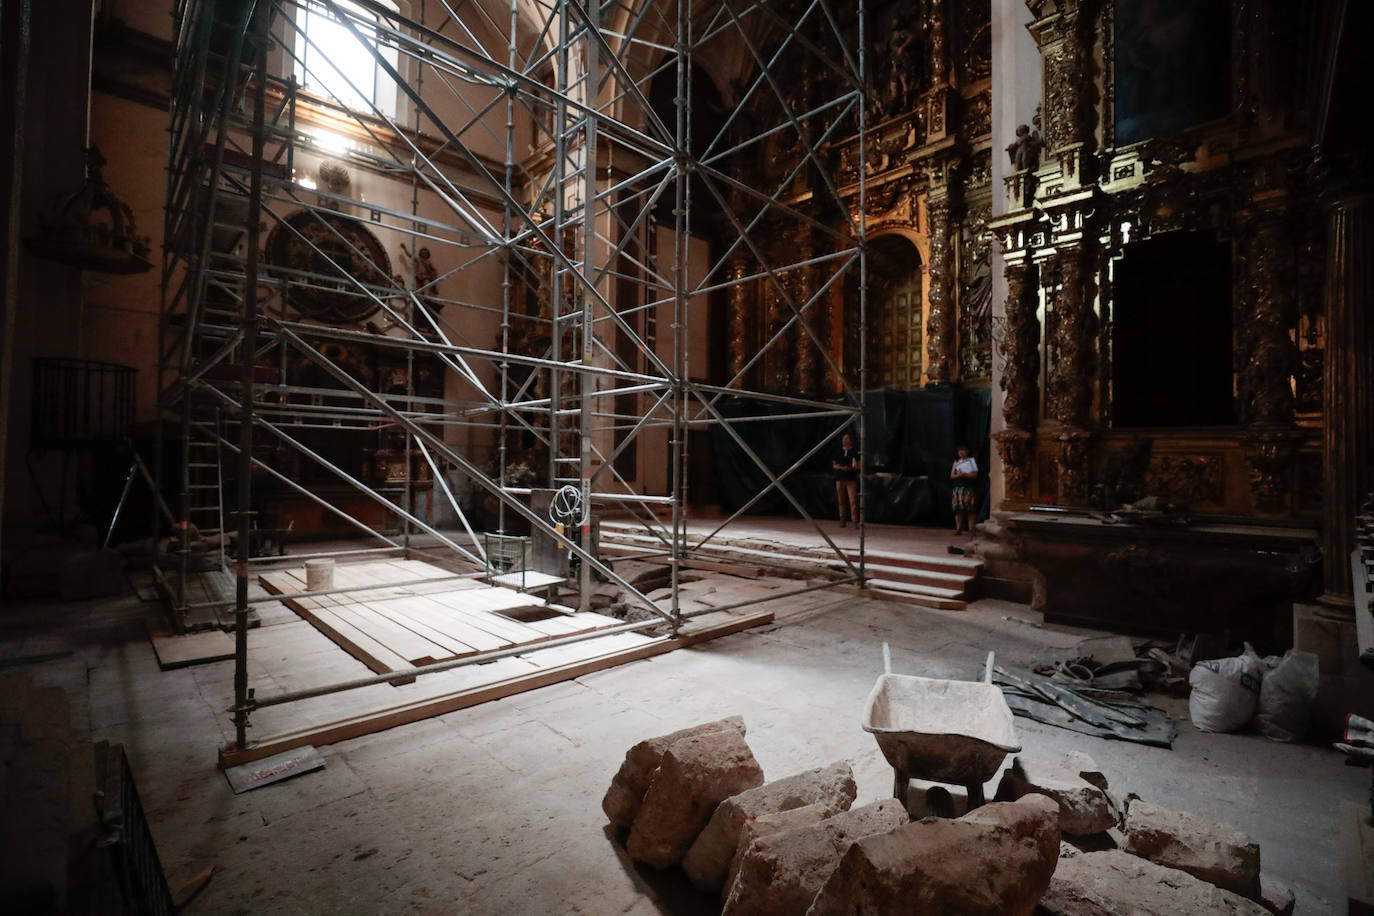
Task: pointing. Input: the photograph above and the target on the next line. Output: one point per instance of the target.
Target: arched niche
(895, 313)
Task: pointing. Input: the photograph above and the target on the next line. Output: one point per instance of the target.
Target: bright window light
(335, 63)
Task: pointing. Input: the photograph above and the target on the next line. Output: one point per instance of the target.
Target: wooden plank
(412, 647)
(440, 619)
(394, 609)
(355, 642)
(555, 656)
(367, 723)
(347, 636)
(471, 607)
(384, 574)
(416, 569)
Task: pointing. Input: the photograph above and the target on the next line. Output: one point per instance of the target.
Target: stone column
(1020, 346)
(1069, 388)
(1348, 386)
(1268, 356)
(942, 319)
(739, 319)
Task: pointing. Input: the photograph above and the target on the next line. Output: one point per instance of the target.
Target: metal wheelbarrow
(955, 732)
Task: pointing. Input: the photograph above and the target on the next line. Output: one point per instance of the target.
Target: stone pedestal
(1348, 385)
(1345, 686)
(1201, 579)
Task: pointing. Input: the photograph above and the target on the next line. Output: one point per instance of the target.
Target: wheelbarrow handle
(887, 659)
(987, 669)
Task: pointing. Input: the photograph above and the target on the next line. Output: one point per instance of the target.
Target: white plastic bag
(1287, 694)
(1225, 691)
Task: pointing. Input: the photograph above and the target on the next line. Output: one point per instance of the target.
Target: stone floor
(496, 809)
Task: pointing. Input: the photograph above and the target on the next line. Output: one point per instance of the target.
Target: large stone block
(996, 860)
(766, 825)
(708, 861)
(623, 798)
(779, 874)
(1212, 852)
(1113, 882)
(1276, 897)
(1084, 805)
(695, 775)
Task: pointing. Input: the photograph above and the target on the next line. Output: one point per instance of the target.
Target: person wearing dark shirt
(847, 479)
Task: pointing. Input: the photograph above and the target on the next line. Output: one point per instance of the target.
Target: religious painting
(1173, 62)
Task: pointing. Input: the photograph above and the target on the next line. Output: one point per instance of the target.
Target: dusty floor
(496, 809)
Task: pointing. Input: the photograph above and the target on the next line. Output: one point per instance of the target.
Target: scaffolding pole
(590, 309)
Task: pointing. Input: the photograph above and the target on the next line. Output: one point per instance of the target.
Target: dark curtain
(911, 438)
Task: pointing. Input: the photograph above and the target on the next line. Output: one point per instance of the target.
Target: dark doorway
(1171, 333)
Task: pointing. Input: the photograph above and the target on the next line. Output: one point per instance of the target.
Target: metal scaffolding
(523, 147)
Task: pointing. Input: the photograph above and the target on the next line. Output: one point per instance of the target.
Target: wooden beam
(367, 723)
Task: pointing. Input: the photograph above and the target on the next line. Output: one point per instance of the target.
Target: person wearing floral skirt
(963, 501)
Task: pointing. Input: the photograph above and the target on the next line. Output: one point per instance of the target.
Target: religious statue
(901, 69)
(425, 279)
(334, 178)
(1025, 149)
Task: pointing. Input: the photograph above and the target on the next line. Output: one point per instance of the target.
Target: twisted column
(739, 319)
(1020, 346)
(941, 320)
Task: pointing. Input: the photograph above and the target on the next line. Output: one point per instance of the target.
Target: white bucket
(319, 575)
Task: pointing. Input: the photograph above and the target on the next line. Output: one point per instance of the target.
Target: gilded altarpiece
(1241, 174)
(926, 151)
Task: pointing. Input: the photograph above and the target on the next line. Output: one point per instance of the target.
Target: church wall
(89, 315)
(48, 313)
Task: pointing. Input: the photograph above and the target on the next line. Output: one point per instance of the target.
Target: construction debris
(997, 859)
(1054, 842)
(626, 793)
(708, 861)
(1084, 807)
(1111, 882)
(1216, 853)
(1105, 714)
(695, 775)
(781, 874)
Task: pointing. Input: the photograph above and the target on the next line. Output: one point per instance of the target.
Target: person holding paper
(964, 502)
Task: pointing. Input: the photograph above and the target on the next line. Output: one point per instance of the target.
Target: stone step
(913, 598)
(934, 576)
(945, 592)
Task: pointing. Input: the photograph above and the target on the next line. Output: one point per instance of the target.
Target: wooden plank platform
(394, 628)
(448, 691)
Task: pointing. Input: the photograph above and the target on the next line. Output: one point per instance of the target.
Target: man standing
(847, 479)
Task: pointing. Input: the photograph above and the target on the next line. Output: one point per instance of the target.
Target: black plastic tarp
(911, 437)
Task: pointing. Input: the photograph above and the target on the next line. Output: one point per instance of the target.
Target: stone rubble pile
(1054, 841)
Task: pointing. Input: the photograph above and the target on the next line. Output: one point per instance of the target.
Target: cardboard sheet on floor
(272, 769)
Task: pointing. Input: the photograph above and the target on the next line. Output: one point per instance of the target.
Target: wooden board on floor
(191, 648)
(377, 657)
(366, 723)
